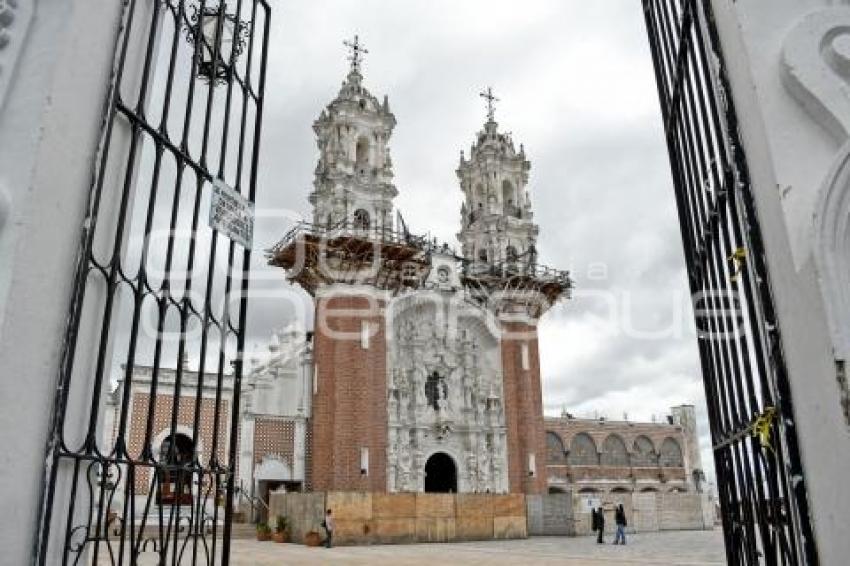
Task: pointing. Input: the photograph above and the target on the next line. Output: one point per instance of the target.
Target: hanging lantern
(222, 39)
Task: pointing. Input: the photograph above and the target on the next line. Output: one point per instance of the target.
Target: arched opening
(555, 451)
(511, 255)
(175, 478)
(671, 454)
(583, 451)
(361, 219)
(614, 452)
(435, 390)
(509, 199)
(440, 474)
(361, 152)
(643, 454)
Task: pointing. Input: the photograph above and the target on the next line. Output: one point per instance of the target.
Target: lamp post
(219, 38)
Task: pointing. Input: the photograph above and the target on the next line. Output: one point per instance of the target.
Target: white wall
(50, 123)
(790, 152)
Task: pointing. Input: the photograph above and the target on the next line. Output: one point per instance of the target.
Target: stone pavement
(697, 548)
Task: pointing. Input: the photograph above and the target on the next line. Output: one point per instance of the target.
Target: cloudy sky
(576, 87)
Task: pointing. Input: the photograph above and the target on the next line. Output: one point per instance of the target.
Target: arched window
(643, 454)
(361, 219)
(482, 254)
(507, 191)
(583, 451)
(361, 153)
(671, 454)
(554, 447)
(511, 254)
(614, 452)
(175, 484)
(435, 390)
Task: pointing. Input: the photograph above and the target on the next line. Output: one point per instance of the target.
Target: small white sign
(232, 214)
(591, 503)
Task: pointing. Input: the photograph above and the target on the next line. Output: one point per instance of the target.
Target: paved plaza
(681, 547)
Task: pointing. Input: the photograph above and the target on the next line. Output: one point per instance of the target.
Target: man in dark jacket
(620, 518)
(600, 524)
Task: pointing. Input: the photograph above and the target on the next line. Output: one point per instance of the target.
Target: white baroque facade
(445, 387)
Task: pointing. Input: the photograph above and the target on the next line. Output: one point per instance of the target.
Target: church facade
(424, 360)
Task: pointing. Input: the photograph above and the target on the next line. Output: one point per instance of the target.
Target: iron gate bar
(738, 340)
(104, 471)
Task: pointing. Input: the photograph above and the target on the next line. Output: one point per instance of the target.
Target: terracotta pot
(263, 536)
(280, 536)
(312, 539)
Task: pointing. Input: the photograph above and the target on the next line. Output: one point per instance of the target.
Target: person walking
(328, 524)
(620, 519)
(600, 523)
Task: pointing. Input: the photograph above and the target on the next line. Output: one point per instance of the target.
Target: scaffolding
(315, 255)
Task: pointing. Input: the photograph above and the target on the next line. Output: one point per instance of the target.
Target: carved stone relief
(445, 388)
(15, 16)
(816, 71)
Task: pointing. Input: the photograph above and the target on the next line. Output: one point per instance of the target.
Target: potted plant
(264, 532)
(313, 538)
(281, 534)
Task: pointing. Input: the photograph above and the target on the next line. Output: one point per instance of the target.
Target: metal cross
(357, 52)
(491, 98)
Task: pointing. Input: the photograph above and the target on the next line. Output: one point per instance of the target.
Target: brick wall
(523, 403)
(350, 404)
(274, 437)
(185, 417)
(636, 476)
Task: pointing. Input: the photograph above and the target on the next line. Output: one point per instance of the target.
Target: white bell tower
(353, 184)
(497, 228)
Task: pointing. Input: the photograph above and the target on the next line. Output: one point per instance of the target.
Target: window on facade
(361, 219)
(507, 192)
(614, 452)
(482, 254)
(435, 390)
(583, 451)
(361, 154)
(643, 454)
(671, 454)
(554, 447)
(511, 255)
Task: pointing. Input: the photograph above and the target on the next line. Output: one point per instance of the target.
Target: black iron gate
(760, 479)
(142, 450)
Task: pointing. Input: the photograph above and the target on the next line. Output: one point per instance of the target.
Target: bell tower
(353, 180)
(352, 261)
(498, 237)
(497, 226)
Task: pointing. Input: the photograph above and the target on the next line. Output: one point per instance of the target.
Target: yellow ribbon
(738, 257)
(762, 427)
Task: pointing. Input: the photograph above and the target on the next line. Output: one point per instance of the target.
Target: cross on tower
(357, 52)
(490, 98)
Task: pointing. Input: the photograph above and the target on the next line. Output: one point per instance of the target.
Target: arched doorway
(440, 474)
(175, 453)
